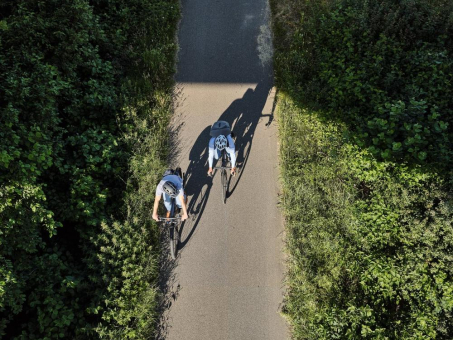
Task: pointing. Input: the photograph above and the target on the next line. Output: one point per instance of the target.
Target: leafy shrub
(383, 67)
(365, 123)
(76, 88)
(370, 242)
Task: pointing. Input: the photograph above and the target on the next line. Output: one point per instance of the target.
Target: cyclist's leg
(178, 172)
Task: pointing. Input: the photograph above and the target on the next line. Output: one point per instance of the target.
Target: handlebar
(221, 167)
(169, 219)
(224, 168)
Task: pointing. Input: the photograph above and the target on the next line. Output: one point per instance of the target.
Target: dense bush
(370, 242)
(383, 67)
(365, 115)
(84, 95)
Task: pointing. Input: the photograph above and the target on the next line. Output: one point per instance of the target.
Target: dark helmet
(170, 189)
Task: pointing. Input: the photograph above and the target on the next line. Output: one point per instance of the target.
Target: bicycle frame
(225, 160)
(223, 174)
(172, 223)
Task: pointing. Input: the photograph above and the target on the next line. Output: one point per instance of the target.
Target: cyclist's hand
(210, 172)
(156, 217)
(233, 171)
(184, 217)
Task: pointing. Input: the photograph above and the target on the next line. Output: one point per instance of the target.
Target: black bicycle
(173, 222)
(223, 174)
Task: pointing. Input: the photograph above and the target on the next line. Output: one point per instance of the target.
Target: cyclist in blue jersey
(171, 186)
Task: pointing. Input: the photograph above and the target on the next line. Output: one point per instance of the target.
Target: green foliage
(317, 202)
(369, 241)
(85, 96)
(383, 67)
(365, 124)
(123, 297)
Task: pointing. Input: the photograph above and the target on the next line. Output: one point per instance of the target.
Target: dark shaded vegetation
(85, 98)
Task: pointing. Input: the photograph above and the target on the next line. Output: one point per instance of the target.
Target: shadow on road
(198, 185)
(243, 115)
(169, 288)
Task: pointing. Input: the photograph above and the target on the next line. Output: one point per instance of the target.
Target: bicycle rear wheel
(174, 240)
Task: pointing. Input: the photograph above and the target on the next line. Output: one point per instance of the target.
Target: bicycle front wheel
(174, 240)
(224, 185)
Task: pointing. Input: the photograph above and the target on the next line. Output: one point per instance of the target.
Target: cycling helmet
(170, 189)
(221, 142)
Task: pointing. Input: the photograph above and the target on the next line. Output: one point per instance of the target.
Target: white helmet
(170, 189)
(221, 142)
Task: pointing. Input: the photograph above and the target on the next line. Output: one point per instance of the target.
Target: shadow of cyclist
(244, 115)
(197, 185)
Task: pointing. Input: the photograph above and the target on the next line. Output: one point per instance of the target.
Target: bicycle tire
(174, 238)
(224, 185)
(224, 176)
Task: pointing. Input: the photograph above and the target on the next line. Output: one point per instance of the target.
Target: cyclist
(171, 187)
(221, 138)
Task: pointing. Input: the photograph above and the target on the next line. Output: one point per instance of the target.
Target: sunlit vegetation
(365, 115)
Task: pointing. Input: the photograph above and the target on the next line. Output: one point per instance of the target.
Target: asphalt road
(227, 282)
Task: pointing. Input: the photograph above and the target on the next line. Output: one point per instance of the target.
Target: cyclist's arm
(232, 151)
(156, 205)
(233, 158)
(210, 155)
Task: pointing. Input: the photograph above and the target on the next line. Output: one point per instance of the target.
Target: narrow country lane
(228, 278)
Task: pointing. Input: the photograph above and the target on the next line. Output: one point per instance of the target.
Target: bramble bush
(83, 114)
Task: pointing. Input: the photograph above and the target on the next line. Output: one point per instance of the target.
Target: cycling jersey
(213, 152)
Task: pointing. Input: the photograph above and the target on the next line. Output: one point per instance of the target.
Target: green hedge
(383, 67)
(85, 98)
(369, 242)
(365, 127)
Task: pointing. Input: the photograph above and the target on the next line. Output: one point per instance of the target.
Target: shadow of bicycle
(243, 114)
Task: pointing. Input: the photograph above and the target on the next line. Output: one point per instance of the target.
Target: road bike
(223, 174)
(173, 222)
